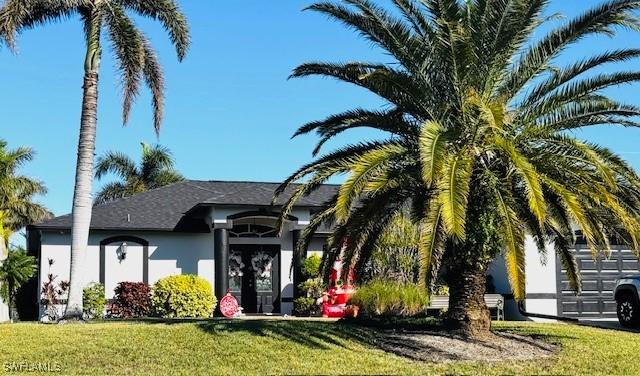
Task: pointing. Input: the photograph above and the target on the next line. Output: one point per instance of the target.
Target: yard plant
(480, 143)
(387, 298)
(94, 301)
(137, 62)
(15, 270)
(131, 299)
(183, 296)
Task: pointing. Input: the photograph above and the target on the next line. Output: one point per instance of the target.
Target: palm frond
(432, 150)
(454, 193)
(370, 163)
(169, 14)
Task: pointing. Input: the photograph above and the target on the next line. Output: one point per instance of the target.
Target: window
(253, 231)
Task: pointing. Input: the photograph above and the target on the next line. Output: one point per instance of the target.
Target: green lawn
(286, 347)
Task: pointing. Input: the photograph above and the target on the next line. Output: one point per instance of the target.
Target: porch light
(122, 251)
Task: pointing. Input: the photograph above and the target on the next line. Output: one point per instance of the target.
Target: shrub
(390, 299)
(313, 287)
(183, 296)
(52, 295)
(132, 299)
(305, 306)
(311, 266)
(94, 301)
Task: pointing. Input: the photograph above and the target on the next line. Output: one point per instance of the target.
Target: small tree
(15, 271)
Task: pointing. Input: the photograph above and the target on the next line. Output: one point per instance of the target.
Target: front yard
(286, 347)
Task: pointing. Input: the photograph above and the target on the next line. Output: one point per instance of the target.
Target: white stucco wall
(169, 254)
(4, 311)
(540, 287)
(541, 284)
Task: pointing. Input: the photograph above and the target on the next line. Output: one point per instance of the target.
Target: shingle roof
(163, 209)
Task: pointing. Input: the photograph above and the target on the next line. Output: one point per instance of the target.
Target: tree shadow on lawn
(416, 339)
(313, 334)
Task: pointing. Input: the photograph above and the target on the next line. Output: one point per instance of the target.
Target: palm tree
(137, 61)
(16, 270)
(17, 208)
(155, 170)
(480, 147)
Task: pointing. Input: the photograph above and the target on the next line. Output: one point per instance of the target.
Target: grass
(287, 347)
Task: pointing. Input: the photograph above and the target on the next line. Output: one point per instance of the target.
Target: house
(225, 232)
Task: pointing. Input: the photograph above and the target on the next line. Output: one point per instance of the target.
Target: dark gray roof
(164, 209)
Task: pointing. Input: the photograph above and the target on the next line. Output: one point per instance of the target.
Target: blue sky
(230, 110)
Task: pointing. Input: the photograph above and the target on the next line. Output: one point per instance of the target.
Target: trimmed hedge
(390, 299)
(182, 296)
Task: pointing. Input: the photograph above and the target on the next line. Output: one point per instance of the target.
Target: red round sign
(229, 305)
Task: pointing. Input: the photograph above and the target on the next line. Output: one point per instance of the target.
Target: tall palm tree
(480, 147)
(137, 61)
(17, 206)
(156, 169)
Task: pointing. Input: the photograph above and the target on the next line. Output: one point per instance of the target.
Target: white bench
(493, 302)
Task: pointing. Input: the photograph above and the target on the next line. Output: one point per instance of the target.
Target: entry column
(298, 260)
(221, 259)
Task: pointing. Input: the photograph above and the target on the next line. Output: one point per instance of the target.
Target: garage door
(598, 281)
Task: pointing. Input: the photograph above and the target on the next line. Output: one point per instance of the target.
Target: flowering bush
(183, 296)
(132, 299)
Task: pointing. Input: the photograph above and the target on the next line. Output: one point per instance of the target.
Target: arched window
(254, 227)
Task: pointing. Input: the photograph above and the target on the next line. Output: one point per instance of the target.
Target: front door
(254, 277)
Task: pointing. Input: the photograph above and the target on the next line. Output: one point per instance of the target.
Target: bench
(493, 302)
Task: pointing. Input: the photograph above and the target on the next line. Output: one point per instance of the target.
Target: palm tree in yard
(17, 205)
(155, 170)
(137, 62)
(480, 146)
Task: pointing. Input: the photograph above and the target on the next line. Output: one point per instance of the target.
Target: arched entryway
(254, 262)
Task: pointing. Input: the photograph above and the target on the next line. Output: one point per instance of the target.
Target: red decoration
(340, 291)
(229, 306)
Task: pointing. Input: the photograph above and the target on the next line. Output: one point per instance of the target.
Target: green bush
(390, 299)
(311, 266)
(94, 301)
(305, 306)
(183, 296)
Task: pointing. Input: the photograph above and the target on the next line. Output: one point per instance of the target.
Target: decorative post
(298, 260)
(221, 259)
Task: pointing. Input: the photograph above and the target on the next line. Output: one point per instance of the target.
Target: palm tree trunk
(82, 202)
(468, 312)
(467, 262)
(10, 298)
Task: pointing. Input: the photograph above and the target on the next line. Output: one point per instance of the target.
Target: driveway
(607, 324)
